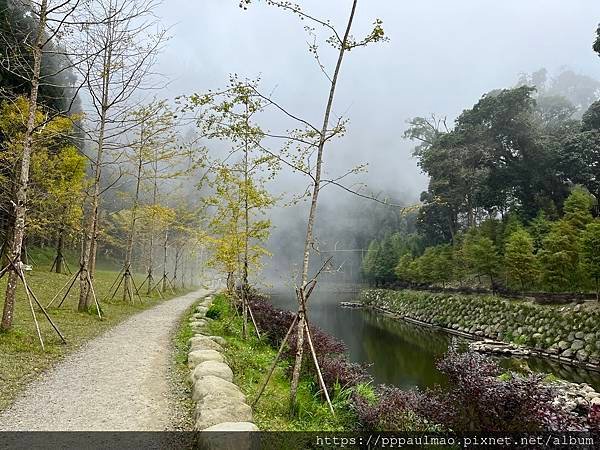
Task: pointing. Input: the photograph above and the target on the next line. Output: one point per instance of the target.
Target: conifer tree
(519, 259)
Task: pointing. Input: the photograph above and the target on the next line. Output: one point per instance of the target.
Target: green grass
(22, 356)
(42, 259)
(251, 359)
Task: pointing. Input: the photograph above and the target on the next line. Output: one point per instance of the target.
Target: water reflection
(398, 352)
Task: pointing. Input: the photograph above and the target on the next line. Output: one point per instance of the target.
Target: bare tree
(125, 43)
(312, 140)
(154, 144)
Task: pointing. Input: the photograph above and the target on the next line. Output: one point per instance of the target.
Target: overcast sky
(441, 57)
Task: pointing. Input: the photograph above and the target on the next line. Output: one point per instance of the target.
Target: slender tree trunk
(127, 288)
(165, 248)
(245, 288)
(151, 254)
(230, 281)
(60, 248)
(309, 241)
(87, 260)
(21, 195)
(88, 256)
(176, 265)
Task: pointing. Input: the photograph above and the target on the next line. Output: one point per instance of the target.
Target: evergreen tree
(519, 258)
(577, 208)
(404, 269)
(481, 256)
(559, 256)
(370, 261)
(510, 225)
(442, 264)
(538, 230)
(590, 253)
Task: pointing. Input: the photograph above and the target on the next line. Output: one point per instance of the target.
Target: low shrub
(213, 312)
(340, 370)
(477, 398)
(392, 409)
(594, 418)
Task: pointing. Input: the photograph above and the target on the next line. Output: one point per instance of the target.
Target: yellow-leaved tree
(55, 179)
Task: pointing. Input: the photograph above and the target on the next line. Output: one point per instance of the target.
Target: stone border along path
(220, 404)
(118, 381)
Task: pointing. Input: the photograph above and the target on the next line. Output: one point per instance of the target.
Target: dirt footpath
(118, 381)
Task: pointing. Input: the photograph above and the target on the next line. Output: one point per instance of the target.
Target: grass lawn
(251, 359)
(22, 357)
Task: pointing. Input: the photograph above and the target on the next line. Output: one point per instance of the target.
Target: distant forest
(513, 193)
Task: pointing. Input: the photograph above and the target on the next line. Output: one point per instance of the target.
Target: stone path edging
(220, 404)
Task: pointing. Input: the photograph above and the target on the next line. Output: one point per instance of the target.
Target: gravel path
(118, 381)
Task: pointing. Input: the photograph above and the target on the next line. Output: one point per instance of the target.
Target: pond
(397, 352)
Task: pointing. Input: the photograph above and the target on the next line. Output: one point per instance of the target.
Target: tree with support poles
(35, 144)
(308, 143)
(123, 44)
(240, 197)
(57, 173)
(155, 144)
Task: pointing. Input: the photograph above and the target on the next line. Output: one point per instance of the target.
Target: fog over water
(441, 57)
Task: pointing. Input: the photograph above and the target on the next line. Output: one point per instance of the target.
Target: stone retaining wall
(220, 404)
(569, 334)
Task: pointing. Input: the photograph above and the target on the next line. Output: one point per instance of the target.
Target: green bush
(214, 312)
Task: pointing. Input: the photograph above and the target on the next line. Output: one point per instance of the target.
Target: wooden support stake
(70, 287)
(3, 271)
(94, 295)
(136, 289)
(37, 326)
(320, 376)
(61, 289)
(120, 278)
(253, 321)
(272, 368)
(29, 292)
(142, 285)
(28, 289)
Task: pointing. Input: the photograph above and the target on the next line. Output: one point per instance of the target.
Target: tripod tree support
(124, 278)
(310, 285)
(319, 374)
(70, 283)
(274, 364)
(31, 295)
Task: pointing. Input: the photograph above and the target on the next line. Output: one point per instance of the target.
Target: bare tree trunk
(21, 196)
(60, 248)
(230, 282)
(88, 257)
(165, 248)
(245, 287)
(176, 265)
(309, 241)
(127, 288)
(151, 254)
(88, 260)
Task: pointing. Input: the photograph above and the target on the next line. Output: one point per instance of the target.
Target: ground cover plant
(480, 396)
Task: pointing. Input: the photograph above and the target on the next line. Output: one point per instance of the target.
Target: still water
(397, 352)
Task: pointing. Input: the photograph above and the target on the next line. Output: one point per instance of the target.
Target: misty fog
(441, 58)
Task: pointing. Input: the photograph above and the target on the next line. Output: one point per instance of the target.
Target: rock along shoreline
(497, 321)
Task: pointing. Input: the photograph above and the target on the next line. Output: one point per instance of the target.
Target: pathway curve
(117, 381)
